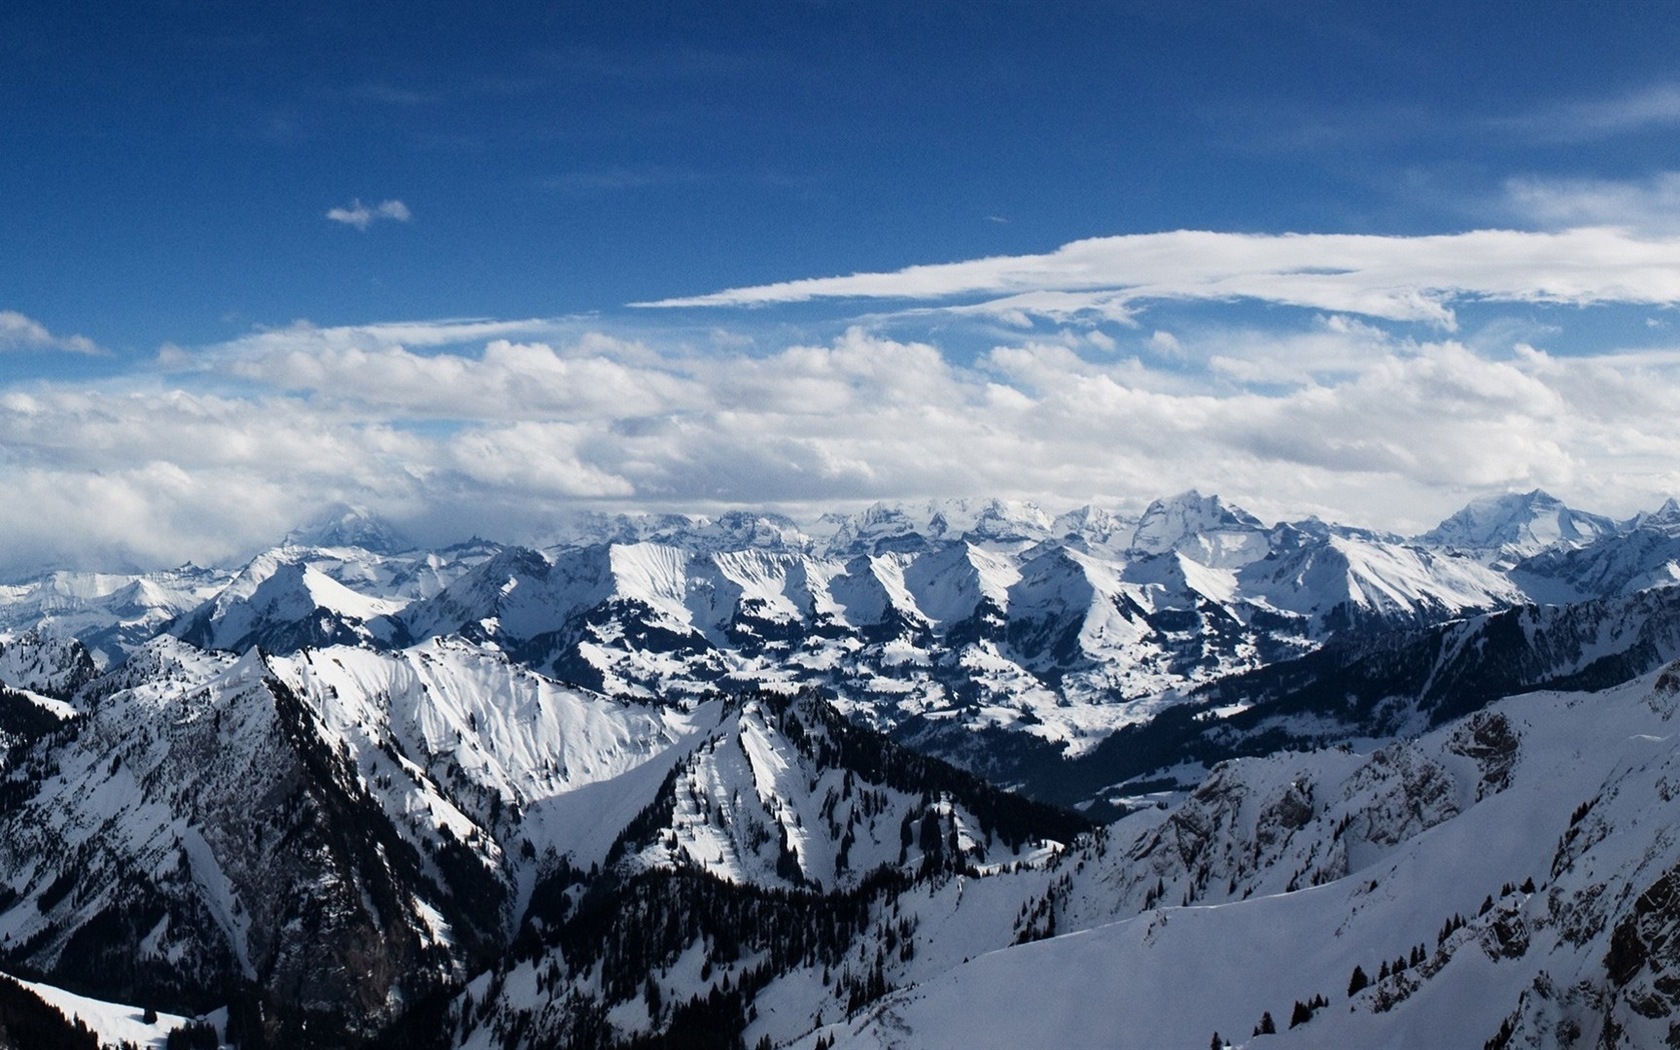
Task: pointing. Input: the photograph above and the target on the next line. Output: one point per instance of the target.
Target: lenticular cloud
(1393, 278)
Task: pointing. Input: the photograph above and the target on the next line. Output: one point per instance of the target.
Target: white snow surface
(1504, 529)
(1281, 874)
(113, 1023)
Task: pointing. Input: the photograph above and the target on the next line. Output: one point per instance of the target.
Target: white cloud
(18, 332)
(1166, 344)
(303, 337)
(1393, 278)
(1652, 106)
(483, 426)
(361, 216)
(1648, 204)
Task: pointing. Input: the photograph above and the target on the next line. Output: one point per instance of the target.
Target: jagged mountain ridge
(1503, 530)
(1507, 877)
(968, 613)
(339, 833)
(931, 621)
(934, 621)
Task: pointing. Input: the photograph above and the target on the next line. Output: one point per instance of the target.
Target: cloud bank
(1408, 279)
(1334, 401)
(1336, 417)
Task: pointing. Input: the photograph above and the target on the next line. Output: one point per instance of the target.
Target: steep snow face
(1342, 581)
(1204, 528)
(454, 741)
(281, 602)
(779, 796)
(752, 587)
(1068, 606)
(949, 586)
(1502, 530)
(1515, 870)
(108, 613)
(1644, 555)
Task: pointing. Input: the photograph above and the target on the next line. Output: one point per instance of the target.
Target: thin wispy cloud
(1388, 277)
(1652, 107)
(622, 177)
(361, 216)
(390, 94)
(18, 332)
(302, 336)
(1649, 205)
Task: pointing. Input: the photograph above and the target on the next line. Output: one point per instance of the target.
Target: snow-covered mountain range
(727, 781)
(928, 620)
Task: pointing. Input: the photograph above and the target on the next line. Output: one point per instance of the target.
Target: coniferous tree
(1358, 981)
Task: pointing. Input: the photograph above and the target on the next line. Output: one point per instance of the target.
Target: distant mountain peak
(1204, 527)
(348, 525)
(1510, 526)
(917, 527)
(1665, 517)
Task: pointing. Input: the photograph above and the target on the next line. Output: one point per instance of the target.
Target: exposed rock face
(1490, 739)
(200, 822)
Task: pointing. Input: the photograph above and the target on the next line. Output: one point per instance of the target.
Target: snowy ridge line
(754, 862)
(1511, 871)
(113, 1025)
(931, 622)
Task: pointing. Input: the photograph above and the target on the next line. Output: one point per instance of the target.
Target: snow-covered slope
(281, 602)
(1502, 530)
(932, 621)
(1343, 579)
(632, 786)
(345, 829)
(1511, 871)
(1510, 876)
(1643, 554)
(109, 613)
(1203, 527)
(114, 1025)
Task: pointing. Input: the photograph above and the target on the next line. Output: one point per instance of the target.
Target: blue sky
(1429, 256)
